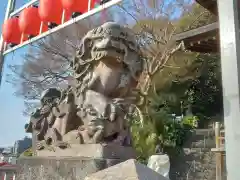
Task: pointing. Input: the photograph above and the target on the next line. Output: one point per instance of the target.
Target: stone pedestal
(60, 165)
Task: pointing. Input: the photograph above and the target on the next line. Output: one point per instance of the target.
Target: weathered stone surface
(160, 163)
(53, 168)
(128, 170)
(94, 109)
(91, 151)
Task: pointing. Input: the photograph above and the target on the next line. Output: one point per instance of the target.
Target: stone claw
(62, 144)
(41, 145)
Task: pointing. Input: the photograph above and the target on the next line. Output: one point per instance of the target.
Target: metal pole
(10, 8)
(14, 176)
(17, 11)
(230, 63)
(5, 176)
(89, 5)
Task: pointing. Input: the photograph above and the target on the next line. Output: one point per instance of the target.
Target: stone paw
(62, 144)
(41, 145)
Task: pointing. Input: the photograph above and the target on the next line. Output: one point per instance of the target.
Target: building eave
(210, 5)
(204, 39)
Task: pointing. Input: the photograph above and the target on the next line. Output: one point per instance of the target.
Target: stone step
(209, 131)
(207, 143)
(204, 166)
(201, 138)
(196, 150)
(202, 163)
(200, 174)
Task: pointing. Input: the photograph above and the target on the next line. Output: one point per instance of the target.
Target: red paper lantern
(30, 22)
(10, 31)
(80, 6)
(51, 11)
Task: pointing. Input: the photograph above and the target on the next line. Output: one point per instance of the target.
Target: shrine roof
(210, 5)
(204, 39)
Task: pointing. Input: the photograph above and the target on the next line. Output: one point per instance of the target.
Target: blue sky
(11, 119)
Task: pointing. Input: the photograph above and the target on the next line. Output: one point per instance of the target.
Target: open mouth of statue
(113, 49)
(110, 45)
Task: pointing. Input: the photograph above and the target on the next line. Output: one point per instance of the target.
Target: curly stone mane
(109, 40)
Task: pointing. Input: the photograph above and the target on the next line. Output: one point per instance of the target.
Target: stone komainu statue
(106, 71)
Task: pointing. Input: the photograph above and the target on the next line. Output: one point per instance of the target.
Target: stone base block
(57, 168)
(108, 151)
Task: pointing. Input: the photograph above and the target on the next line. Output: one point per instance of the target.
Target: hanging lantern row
(30, 22)
(35, 20)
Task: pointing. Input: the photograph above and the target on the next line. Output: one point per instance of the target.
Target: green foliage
(144, 140)
(204, 93)
(158, 127)
(199, 88)
(190, 121)
(156, 131)
(174, 134)
(28, 152)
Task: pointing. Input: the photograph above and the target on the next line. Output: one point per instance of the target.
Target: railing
(8, 173)
(8, 176)
(17, 11)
